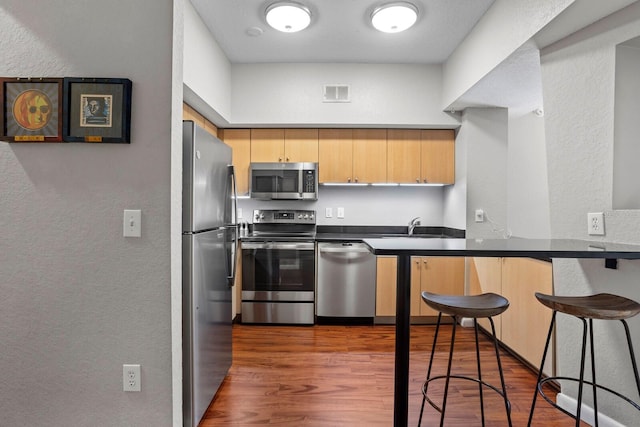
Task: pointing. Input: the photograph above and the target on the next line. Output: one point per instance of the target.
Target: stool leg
(433, 351)
(446, 384)
(632, 354)
(593, 373)
(582, 359)
(475, 327)
(507, 405)
(544, 357)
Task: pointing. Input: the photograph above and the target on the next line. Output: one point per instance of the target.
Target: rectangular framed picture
(31, 109)
(97, 110)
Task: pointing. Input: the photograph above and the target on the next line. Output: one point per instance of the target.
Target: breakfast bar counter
(406, 247)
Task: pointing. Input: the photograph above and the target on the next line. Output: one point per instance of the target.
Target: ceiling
(340, 31)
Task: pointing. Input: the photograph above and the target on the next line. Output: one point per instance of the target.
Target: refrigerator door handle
(234, 219)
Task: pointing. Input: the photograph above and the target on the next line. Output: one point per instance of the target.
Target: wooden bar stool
(469, 306)
(600, 306)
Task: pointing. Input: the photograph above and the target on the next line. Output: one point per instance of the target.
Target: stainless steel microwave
(284, 181)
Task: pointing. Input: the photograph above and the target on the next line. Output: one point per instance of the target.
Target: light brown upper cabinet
(438, 156)
(369, 155)
(189, 113)
(267, 145)
(240, 142)
(352, 155)
(403, 156)
(335, 154)
(420, 156)
(284, 145)
(301, 145)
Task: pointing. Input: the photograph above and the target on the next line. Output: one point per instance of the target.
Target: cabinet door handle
(418, 180)
(356, 179)
(287, 159)
(279, 159)
(349, 179)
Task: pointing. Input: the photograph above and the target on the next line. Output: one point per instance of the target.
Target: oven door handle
(300, 246)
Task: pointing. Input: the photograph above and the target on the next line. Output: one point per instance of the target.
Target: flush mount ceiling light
(394, 17)
(288, 16)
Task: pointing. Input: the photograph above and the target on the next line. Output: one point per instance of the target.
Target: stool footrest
(460, 377)
(577, 380)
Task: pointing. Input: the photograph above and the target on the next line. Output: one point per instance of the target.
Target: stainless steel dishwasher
(346, 283)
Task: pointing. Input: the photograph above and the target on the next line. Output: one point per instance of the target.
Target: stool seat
(470, 306)
(587, 308)
(599, 306)
(474, 306)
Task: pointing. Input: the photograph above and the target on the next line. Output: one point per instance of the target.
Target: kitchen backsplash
(368, 205)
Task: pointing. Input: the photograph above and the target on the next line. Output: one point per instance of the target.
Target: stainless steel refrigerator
(209, 248)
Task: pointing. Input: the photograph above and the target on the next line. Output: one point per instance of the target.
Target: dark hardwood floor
(343, 376)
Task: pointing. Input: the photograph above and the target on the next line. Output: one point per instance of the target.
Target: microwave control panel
(309, 181)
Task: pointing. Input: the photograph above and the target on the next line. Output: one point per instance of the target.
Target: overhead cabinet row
(349, 155)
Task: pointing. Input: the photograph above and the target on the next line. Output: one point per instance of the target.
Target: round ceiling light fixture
(394, 17)
(288, 16)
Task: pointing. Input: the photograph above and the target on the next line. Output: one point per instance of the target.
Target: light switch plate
(340, 213)
(131, 223)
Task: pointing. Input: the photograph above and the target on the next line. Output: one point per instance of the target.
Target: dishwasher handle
(343, 248)
(347, 250)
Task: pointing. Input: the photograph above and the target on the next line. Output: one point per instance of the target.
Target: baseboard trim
(586, 414)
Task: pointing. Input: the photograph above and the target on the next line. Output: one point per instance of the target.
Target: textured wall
(79, 300)
(578, 76)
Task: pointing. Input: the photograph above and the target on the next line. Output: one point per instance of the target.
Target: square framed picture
(31, 109)
(97, 110)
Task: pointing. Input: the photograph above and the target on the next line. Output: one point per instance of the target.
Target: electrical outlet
(479, 215)
(595, 223)
(130, 377)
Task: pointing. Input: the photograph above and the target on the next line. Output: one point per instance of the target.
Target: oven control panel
(284, 216)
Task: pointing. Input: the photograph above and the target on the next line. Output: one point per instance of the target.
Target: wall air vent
(336, 93)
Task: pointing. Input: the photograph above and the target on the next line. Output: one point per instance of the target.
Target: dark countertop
(357, 233)
(514, 247)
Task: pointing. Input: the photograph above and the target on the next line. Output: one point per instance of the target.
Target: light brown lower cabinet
(524, 326)
(434, 274)
(386, 268)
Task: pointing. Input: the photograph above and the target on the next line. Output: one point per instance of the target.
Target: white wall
(365, 205)
(77, 299)
(486, 138)
(382, 95)
(527, 187)
(627, 127)
(578, 76)
(207, 71)
(506, 26)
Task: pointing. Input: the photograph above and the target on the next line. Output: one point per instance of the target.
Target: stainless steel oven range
(278, 268)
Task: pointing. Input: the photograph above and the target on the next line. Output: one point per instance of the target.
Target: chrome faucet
(412, 225)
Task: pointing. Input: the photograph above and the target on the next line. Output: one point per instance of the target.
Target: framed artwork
(31, 109)
(97, 110)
